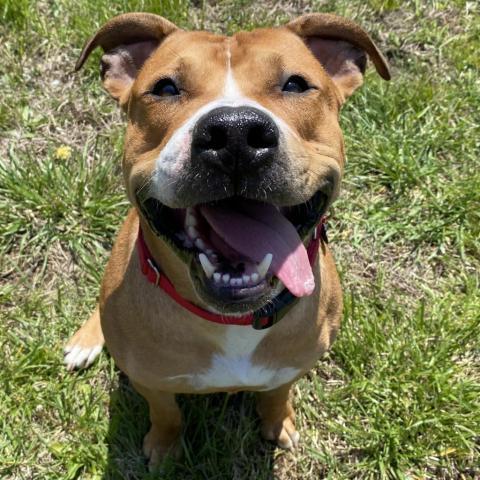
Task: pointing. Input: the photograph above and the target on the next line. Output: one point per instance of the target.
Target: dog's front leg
(277, 417)
(163, 439)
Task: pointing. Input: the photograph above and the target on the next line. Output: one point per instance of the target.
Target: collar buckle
(261, 322)
(155, 270)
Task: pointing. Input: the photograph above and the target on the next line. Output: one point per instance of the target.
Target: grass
(399, 394)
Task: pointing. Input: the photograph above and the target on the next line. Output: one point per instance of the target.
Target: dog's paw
(283, 433)
(157, 451)
(77, 356)
(85, 346)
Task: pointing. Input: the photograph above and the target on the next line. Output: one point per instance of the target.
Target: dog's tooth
(217, 277)
(226, 278)
(233, 282)
(190, 220)
(192, 232)
(264, 265)
(208, 268)
(246, 279)
(254, 278)
(199, 243)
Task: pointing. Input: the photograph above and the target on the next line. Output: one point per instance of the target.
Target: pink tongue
(255, 229)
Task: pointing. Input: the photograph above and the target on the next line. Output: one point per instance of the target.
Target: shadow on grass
(221, 438)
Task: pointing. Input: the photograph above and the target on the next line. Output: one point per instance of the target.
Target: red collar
(260, 319)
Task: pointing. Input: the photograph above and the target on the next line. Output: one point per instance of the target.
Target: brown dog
(233, 154)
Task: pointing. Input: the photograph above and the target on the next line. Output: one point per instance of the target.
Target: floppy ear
(127, 40)
(341, 46)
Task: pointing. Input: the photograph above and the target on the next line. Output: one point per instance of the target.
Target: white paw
(80, 357)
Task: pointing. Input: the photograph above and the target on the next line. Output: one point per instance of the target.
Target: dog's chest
(234, 366)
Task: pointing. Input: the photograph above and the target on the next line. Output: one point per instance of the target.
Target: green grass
(399, 394)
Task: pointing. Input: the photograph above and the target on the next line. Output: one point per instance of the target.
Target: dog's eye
(165, 88)
(295, 84)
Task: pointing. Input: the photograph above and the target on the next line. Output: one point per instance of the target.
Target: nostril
(261, 136)
(217, 138)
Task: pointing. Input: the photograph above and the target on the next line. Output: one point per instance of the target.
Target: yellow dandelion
(63, 152)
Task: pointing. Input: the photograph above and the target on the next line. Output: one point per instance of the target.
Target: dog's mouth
(240, 250)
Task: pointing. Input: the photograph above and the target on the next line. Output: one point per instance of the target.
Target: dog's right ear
(127, 40)
(341, 46)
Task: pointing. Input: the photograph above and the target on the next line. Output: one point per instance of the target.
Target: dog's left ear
(127, 40)
(341, 46)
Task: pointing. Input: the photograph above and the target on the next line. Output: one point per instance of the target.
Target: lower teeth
(243, 280)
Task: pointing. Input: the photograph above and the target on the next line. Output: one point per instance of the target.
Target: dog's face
(233, 149)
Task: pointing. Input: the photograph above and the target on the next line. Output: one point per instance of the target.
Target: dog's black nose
(235, 139)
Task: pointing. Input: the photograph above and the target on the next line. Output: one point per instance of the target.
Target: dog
(221, 279)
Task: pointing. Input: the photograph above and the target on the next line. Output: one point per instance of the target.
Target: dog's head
(233, 149)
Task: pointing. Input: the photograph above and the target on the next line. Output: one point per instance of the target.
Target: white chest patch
(234, 367)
